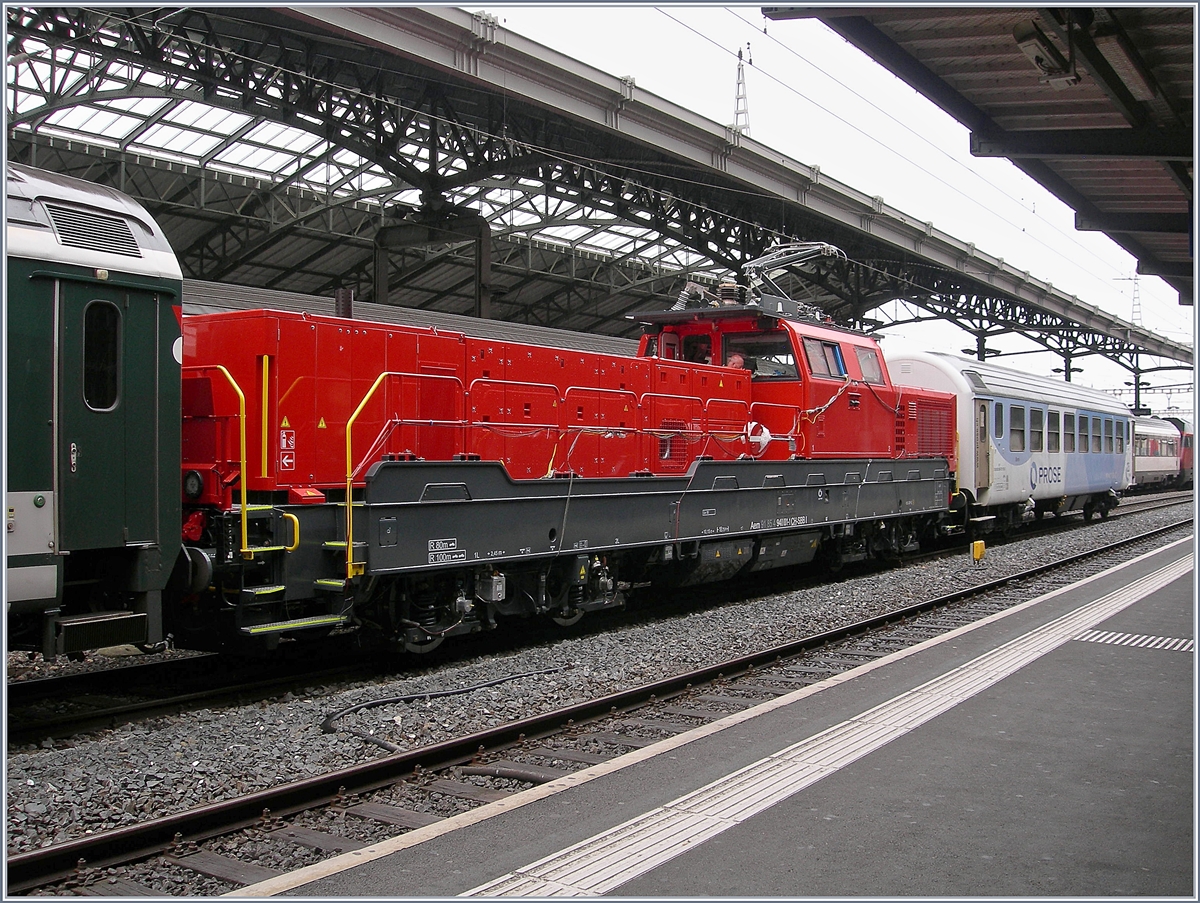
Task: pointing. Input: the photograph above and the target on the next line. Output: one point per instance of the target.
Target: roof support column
(440, 230)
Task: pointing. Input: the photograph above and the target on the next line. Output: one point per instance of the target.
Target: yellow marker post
(977, 550)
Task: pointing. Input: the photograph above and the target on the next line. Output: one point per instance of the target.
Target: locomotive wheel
(567, 620)
(1088, 513)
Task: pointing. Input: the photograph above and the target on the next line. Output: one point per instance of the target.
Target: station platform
(1045, 751)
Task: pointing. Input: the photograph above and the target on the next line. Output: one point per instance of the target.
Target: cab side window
(825, 358)
(868, 362)
(698, 349)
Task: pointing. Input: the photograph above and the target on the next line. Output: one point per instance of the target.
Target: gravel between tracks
(62, 790)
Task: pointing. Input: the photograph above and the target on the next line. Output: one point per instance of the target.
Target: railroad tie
(689, 712)
(393, 815)
(463, 791)
(318, 840)
(739, 702)
(568, 755)
(115, 887)
(783, 679)
(623, 739)
(222, 867)
(517, 771)
(671, 727)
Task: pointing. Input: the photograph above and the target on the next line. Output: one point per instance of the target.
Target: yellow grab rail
(266, 399)
(354, 568)
(295, 531)
(246, 551)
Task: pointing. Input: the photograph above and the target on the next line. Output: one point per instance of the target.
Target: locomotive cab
(816, 390)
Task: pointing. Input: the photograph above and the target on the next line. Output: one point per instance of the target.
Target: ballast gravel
(60, 790)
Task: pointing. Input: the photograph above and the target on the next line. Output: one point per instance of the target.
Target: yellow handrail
(245, 549)
(266, 397)
(354, 568)
(295, 531)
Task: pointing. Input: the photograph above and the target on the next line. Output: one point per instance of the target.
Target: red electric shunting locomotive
(421, 482)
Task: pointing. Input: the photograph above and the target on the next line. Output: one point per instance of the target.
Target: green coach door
(107, 468)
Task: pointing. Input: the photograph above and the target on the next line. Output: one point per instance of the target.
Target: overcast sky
(820, 101)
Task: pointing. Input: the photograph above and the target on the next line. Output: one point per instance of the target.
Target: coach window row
(1146, 447)
(1096, 434)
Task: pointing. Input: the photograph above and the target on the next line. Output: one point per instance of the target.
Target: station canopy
(278, 150)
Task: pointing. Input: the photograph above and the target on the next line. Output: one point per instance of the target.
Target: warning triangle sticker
(285, 423)
(321, 425)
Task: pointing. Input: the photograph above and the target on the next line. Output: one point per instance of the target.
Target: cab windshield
(765, 355)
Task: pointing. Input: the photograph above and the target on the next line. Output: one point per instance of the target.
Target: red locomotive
(423, 482)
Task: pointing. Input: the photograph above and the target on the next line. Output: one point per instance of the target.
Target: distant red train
(1187, 439)
(1162, 452)
(494, 478)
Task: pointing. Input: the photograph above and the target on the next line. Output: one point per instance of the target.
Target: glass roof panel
(208, 119)
(182, 141)
(89, 120)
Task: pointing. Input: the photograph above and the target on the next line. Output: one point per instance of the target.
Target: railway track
(411, 788)
(54, 708)
(51, 708)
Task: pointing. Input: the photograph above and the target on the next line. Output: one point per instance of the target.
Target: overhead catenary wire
(888, 148)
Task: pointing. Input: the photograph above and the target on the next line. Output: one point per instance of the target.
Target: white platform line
(607, 860)
(1174, 644)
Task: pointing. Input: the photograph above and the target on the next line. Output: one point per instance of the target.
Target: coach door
(107, 424)
(983, 448)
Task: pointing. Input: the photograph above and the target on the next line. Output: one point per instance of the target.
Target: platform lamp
(1138, 385)
(981, 351)
(1067, 371)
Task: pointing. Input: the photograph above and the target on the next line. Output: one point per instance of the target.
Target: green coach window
(101, 355)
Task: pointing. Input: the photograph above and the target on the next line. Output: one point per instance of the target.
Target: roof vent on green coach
(93, 231)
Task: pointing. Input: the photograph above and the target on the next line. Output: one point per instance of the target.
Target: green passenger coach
(94, 350)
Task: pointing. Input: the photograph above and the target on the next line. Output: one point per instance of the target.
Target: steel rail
(59, 861)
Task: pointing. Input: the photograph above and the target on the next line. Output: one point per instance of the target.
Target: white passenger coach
(1027, 444)
(1156, 452)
